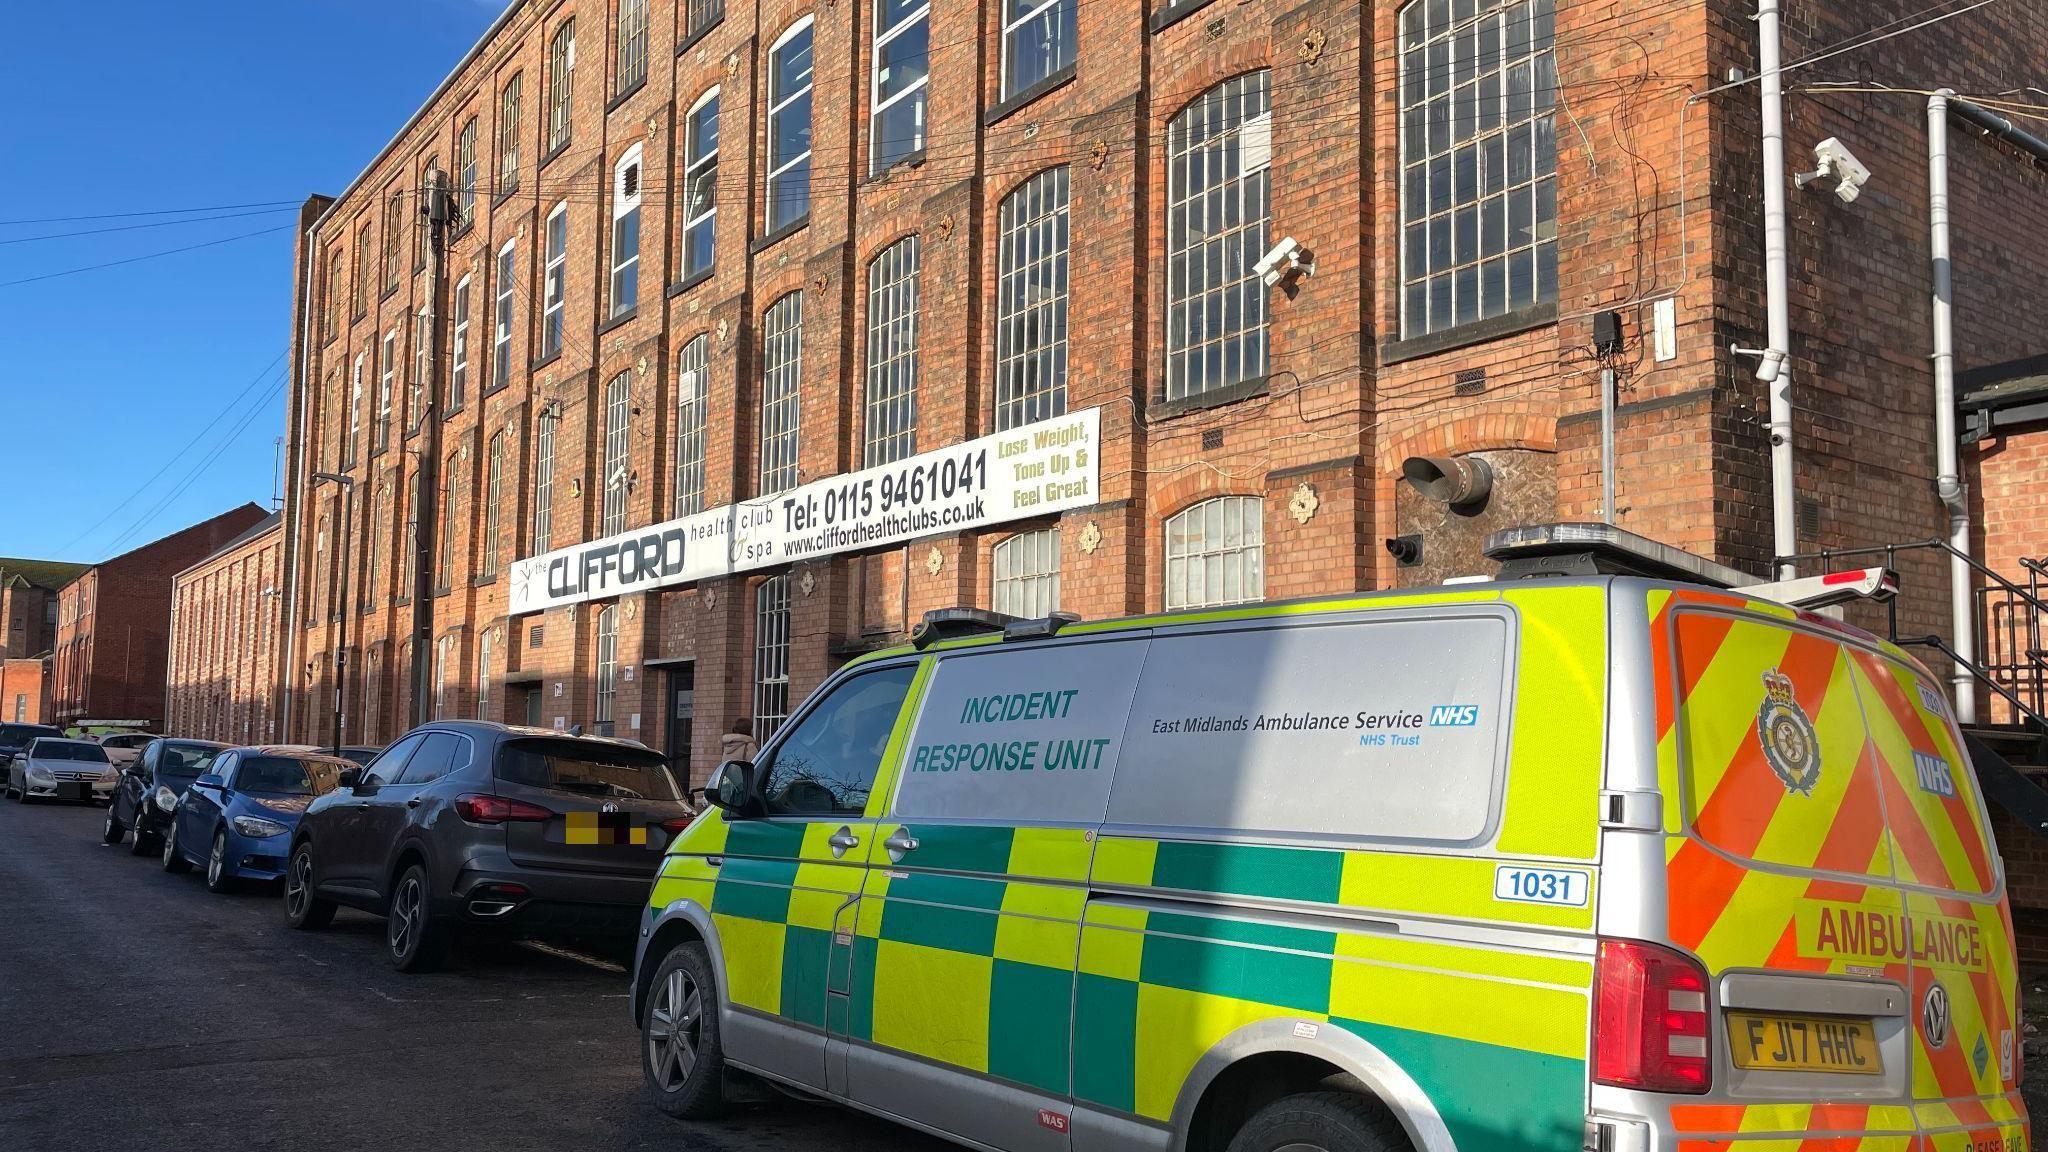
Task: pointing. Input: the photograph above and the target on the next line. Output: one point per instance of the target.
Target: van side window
(827, 764)
(1389, 729)
(1028, 734)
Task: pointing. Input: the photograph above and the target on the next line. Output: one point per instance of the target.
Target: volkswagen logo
(1934, 1016)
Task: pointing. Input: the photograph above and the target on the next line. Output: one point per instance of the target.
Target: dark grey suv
(473, 826)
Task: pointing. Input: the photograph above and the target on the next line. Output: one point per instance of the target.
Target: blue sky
(133, 106)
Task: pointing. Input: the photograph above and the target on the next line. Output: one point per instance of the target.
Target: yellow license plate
(1776, 1042)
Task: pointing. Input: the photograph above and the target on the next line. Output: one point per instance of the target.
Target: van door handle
(842, 842)
(900, 844)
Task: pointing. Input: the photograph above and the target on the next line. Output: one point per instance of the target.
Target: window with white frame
(458, 370)
(692, 384)
(1031, 301)
(387, 371)
(1218, 196)
(355, 411)
(554, 280)
(902, 72)
(501, 336)
(483, 676)
(441, 648)
(1478, 161)
(771, 656)
(607, 666)
(789, 127)
(494, 491)
(422, 364)
(1027, 574)
(626, 233)
(508, 134)
(1216, 553)
(632, 44)
(782, 363)
(617, 475)
(1038, 42)
(700, 184)
(544, 484)
(465, 168)
(561, 84)
(891, 410)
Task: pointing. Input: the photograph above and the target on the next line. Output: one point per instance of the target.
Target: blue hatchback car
(237, 820)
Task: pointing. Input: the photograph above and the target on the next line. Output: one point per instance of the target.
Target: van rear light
(480, 809)
(1651, 1030)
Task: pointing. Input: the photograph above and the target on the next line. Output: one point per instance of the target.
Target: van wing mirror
(731, 789)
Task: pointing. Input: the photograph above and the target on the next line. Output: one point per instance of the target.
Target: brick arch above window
(1473, 432)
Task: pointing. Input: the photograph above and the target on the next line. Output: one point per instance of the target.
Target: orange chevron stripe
(1701, 883)
(1738, 813)
(1933, 738)
(1859, 825)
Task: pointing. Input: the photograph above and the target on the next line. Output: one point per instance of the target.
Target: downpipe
(1948, 478)
(1776, 369)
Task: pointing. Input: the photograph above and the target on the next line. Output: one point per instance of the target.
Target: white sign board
(1040, 468)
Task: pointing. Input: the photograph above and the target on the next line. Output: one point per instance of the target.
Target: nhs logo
(1454, 716)
(1934, 775)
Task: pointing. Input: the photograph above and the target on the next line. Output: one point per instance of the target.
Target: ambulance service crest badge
(1791, 746)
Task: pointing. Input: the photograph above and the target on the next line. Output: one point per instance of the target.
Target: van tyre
(1321, 1122)
(681, 1051)
(413, 940)
(174, 860)
(303, 907)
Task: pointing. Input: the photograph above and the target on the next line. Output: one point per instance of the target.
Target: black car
(472, 826)
(150, 788)
(14, 740)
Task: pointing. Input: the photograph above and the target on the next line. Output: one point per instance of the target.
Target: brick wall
(222, 678)
(25, 691)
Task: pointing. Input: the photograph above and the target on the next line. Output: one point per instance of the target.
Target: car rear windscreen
(88, 753)
(586, 768)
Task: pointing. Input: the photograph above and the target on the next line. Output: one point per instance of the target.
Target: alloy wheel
(405, 916)
(675, 1028)
(298, 884)
(215, 860)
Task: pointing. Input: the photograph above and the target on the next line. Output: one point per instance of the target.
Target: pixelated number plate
(1565, 886)
(1777, 1042)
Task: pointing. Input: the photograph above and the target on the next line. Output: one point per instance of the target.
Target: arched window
(554, 283)
(561, 83)
(1478, 162)
(782, 359)
(617, 414)
(1218, 192)
(700, 184)
(632, 44)
(1216, 553)
(1031, 302)
(626, 233)
(465, 174)
(692, 381)
(607, 666)
(1027, 574)
(891, 412)
(789, 127)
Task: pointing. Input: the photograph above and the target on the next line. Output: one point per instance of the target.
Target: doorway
(682, 711)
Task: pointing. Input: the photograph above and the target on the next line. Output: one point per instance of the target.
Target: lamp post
(348, 500)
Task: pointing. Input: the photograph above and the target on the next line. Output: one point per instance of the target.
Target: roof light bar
(1600, 550)
(953, 623)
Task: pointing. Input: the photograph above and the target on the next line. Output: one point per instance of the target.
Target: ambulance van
(1604, 863)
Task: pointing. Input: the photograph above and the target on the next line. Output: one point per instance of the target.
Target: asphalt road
(137, 1011)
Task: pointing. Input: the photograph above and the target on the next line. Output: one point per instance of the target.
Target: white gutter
(1776, 369)
(1948, 477)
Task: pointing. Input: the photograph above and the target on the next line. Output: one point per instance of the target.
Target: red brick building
(222, 680)
(705, 255)
(113, 624)
(28, 605)
(25, 691)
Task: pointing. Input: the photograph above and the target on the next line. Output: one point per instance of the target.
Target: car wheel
(1321, 1122)
(218, 879)
(174, 860)
(113, 832)
(413, 939)
(143, 843)
(682, 1053)
(303, 908)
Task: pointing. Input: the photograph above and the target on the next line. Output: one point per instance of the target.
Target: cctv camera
(1285, 257)
(1839, 164)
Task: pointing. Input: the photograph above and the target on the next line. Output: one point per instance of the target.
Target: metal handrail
(1891, 551)
(1943, 647)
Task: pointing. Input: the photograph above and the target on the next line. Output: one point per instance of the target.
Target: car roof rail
(954, 623)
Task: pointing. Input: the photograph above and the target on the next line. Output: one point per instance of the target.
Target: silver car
(59, 769)
(125, 748)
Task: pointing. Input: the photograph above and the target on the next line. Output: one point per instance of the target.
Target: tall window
(494, 491)
(607, 666)
(355, 412)
(702, 14)
(632, 44)
(892, 354)
(617, 429)
(555, 279)
(441, 647)
(700, 184)
(483, 676)
(508, 134)
(444, 525)
(410, 561)
(789, 127)
(422, 365)
(387, 370)
(561, 84)
(1216, 553)
(1038, 41)
(902, 71)
(626, 233)
(394, 230)
(771, 656)
(1027, 579)
(544, 484)
(366, 258)
(1031, 302)
(429, 177)
(501, 335)
(465, 174)
(1478, 163)
(692, 380)
(373, 531)
(330, 315)
(458, 371)
(782, 364)
(1217, 201)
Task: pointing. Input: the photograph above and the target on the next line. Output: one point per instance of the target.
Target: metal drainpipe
(1948, 479)
(287, 676)
(1776, 369)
